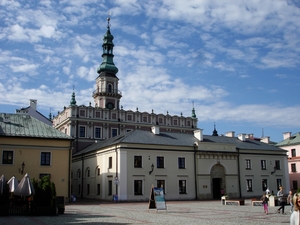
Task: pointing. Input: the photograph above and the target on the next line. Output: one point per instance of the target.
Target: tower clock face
(110, 105)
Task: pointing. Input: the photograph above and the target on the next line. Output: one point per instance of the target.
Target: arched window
(109, 88)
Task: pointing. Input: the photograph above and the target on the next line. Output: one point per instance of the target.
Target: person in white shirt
(294, 219)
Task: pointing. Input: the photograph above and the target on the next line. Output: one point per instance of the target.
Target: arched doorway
(217, 175)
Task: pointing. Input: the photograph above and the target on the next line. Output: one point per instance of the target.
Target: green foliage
(298, 191)
(45, 192)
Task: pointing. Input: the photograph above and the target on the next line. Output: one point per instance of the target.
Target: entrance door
(216, 182)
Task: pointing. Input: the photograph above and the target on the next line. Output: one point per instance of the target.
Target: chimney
(33, 104)
(155, 129)
(229, 134)
(251, 136)
(198, 134)
(265, 140)
(286, 135)
(242, 137)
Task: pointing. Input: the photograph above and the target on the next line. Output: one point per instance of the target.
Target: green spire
(215, 132)
(193, 112)
(73, 101)
(107, 64)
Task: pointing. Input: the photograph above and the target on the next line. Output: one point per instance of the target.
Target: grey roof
(18, 125)
(176, 139)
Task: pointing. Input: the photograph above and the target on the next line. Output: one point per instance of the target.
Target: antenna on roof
(262, 132)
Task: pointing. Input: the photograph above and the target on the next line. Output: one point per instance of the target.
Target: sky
(237, 62)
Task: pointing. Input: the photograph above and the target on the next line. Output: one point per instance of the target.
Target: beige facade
(40, 148)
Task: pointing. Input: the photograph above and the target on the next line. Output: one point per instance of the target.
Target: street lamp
(22, 168)
(152, 168)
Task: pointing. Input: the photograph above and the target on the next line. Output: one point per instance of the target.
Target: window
(87, 189)
(88, 173)
(264, 184)
(109, 88)
(160, 162)
(137, 161)
(129, 117)
(161, 184)
(82, 112)
(109, 162)
(188, 123)
(114, 116)
(45, 158)
(295, 185)
(279, 183)
(138, 187)
(81, 131)
(109, 187)
(181, 163)
(114, 132)
(263, 164)
(97, 132)
(98, 189)
(79, 189)
(79, 173)
(7, 157)
(98, 171)
(248, 164)
(293, 152)
(277, 164)
(293, 167)
(145, 119)
(160, 120)
(249, 185)
(98, 115)
(182, 186)
(175, 122)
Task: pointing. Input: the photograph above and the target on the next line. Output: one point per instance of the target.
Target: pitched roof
(292, 140)
(18, 125)
(176, 139)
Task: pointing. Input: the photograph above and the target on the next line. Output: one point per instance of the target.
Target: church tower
(107, 94)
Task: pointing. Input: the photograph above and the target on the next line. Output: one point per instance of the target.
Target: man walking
(281, 200)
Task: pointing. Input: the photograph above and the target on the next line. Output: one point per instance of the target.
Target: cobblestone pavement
(178, 212)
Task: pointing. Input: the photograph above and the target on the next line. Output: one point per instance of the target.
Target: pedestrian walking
(265, 200)
(290, 201)
(294, 220)
(281, 200)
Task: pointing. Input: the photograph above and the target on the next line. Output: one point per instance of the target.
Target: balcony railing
(107, 90)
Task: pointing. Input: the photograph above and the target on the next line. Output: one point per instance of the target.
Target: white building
(188, 166)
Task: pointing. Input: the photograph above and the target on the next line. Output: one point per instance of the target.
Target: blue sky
(237, 61)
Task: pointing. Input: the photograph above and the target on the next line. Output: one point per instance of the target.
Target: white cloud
(25, 68)
(47, 31)
(86, 73)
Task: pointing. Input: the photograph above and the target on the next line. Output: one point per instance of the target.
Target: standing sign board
(157, 199)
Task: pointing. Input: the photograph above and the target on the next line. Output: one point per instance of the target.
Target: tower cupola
(107, 64)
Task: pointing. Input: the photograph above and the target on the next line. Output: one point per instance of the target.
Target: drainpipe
(69, 174)
(82, 173)
(117, 169)
(195, 170)
(239, 172)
